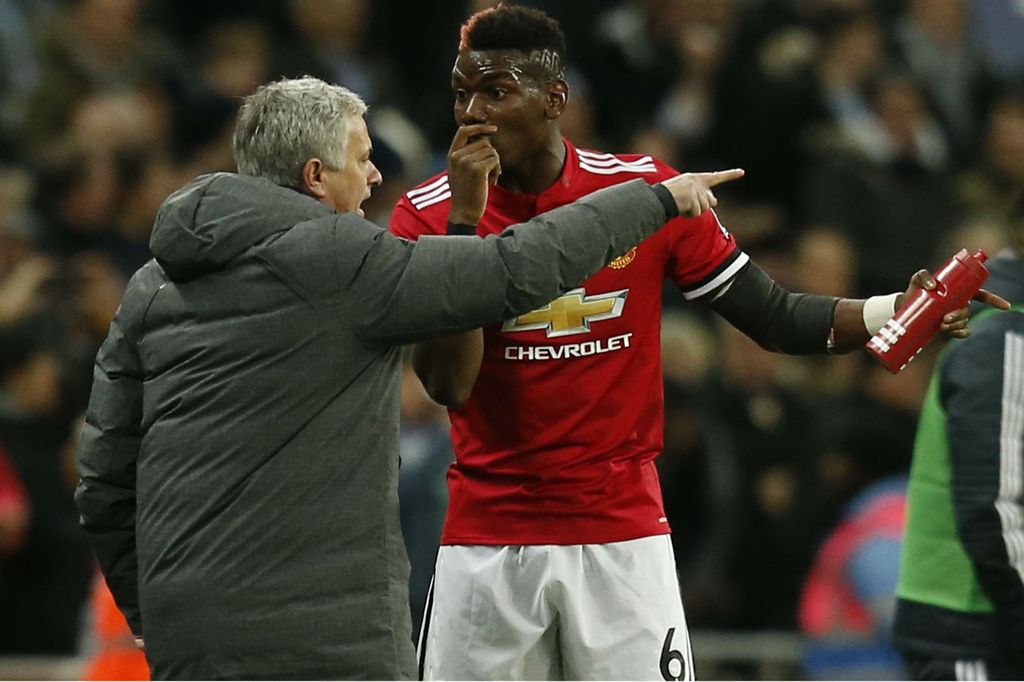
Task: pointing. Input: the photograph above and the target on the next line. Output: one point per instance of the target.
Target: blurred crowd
(878, 136)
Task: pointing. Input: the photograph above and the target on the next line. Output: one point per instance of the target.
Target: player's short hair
(285, 123)
(514, 27)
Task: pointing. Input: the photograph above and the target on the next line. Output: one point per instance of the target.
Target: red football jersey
(557, 441)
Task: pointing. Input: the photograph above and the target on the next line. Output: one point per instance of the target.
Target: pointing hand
(692, 191)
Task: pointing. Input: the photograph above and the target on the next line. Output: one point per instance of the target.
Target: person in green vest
(960, 609)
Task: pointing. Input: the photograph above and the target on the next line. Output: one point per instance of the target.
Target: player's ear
(558, 97)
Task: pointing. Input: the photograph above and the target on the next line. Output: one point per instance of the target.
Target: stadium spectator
(883, 182)
(988, 187)
(45, 581)
(932, 41)
(333, 44)
(847, 605)
(14, 509)
(90, 46)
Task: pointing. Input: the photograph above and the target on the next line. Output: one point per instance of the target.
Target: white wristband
(877, 311)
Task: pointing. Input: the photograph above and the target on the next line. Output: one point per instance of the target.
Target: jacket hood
(216, 217)
(1006, 276)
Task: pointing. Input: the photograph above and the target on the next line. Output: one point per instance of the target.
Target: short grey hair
(285, 123)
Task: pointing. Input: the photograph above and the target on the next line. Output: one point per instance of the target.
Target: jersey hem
(547, 540)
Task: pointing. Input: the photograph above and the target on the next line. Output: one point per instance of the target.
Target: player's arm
(980, 390)
(800, 324)
(448, 366)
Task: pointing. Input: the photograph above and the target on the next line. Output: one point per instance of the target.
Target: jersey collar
(551, 197)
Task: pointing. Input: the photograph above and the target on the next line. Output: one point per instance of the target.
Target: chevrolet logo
(571, 313)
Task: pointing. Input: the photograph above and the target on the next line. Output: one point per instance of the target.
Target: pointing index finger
(718, 177)
(994, 300)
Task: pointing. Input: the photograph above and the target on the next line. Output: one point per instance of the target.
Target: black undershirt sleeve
(461, 230)
(778, 320)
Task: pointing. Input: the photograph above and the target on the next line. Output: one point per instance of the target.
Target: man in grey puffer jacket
(239, 460)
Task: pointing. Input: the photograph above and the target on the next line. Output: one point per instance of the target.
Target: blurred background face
(35, 385)
(943, 20)
(857, 48)
(238, 58)
(337, 23)
(110, 24)
(1006, 139)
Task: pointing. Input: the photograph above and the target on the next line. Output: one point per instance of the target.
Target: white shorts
(550, 612)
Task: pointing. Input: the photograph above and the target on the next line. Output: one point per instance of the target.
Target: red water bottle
(914, 325)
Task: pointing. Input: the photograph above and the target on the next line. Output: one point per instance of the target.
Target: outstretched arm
(410, 291)
(800, 324)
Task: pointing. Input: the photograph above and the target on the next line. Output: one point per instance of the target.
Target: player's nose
(473, 111)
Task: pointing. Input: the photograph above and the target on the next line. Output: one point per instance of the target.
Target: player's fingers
(465, 134)
(712, 199)
(472, 150)
(703, 202)
(718, 177)
(994, 300)
(482, 144)
(958, 316)
(492, 163)
(484, 155)
(958, 330)
(922, 279)
(955, 321)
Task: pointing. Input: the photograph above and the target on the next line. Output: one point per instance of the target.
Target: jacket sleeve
(983, 395)
(409, 291)
(107, 454)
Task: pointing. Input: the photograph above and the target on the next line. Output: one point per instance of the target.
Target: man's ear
(313, 178)
(558, 97)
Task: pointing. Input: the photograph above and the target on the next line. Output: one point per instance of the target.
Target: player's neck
(537, 172)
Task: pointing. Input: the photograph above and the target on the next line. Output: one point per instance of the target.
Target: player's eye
(498, 93)
(460, 95)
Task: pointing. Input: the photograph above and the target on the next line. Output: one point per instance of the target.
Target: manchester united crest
(624, 260)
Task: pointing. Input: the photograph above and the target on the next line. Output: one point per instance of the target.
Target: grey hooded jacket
(239, 459)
